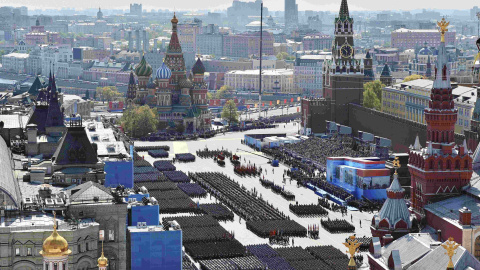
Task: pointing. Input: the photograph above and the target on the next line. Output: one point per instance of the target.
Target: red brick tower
(442, 168)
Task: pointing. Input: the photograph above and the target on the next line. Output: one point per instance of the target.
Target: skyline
(272, 5)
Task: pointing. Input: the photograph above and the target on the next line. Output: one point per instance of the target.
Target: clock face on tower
(346, 51)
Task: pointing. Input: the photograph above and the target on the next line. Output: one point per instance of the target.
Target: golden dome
(102, 261)
(55, 245)
(174, 20)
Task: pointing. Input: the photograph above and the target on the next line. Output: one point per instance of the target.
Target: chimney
(387, 239)
(465, 216)
(439, 235)
(375, 247)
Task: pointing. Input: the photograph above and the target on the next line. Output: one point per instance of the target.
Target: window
(111, 235)
(17, 251)
(29, 251)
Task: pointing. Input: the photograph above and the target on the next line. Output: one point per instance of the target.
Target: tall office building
(291, 15)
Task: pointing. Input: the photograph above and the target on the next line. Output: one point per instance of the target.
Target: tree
(209, 95)
(370, 99)
(108, 93)
(223, 91)
(376, 87)
(180, 128)
(412, 78)
(283, 56)
(229, 112)
(139, 121)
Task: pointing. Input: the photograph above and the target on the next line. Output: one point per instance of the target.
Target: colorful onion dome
(143, 69)
(163, 72)
(198, 68)
(185, 83)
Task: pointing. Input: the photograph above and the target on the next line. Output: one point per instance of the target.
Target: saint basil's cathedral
(177, 98)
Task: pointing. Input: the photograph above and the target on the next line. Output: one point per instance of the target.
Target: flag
(263, 104)
(298, 109)
(285, 101)
(291, 100)
(270, 103)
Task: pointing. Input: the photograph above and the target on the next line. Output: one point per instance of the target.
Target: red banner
(270, 103)
(263, 104)
(291, 100)
(248, 106)
(298, 109)
(285, 101)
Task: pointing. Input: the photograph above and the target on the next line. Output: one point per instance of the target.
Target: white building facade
(273, 81)
(15, 62)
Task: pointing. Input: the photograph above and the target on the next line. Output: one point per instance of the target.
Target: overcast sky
(331, 5)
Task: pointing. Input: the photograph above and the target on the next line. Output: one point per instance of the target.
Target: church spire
(442, 69)
(344, 14)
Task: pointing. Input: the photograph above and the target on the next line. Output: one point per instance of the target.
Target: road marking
(180, 147)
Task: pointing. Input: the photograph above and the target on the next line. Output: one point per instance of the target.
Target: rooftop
(17, 55)
(87, 192)
(135, 229)
(316, 57)
(448, 209)
(8, 183)
(14, 120)
(107, 145)
(405, 30)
